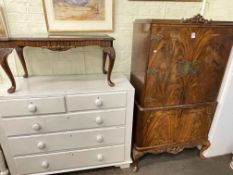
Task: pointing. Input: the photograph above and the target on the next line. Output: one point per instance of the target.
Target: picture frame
(79, 15)
(3, 26)
(171, 0)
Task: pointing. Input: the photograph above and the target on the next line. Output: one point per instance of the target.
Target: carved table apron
(55, 44)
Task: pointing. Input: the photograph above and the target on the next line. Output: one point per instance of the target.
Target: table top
(58, 38)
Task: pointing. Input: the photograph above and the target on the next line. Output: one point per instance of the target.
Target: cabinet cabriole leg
(205, 146)
(137, 155)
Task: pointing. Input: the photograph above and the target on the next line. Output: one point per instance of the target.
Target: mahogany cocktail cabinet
(55, 44)
(177, 71)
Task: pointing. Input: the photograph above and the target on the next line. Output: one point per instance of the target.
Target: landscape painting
(79, 9)
(79, 15)
(3, 30)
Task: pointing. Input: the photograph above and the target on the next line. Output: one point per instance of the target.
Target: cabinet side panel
(140, 51)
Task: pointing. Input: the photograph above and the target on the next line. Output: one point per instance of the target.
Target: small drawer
(63, 122)
(96, 101)
(33, 106)
(72, 160)
(64, 141)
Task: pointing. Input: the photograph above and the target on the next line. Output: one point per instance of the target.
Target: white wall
(221, 132)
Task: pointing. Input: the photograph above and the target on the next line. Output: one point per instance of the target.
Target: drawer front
(96, 101)
(70, 160)
(33, 106)
(66, 122)
(64, 141)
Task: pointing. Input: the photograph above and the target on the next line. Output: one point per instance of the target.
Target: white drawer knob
(100, 157)
(98, 102)
(100, 138)
(36, 127)
(45, 164)
(99, 120)
(41, 145)
(32, 107)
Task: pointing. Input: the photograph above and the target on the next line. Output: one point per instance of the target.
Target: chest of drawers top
(53, 86)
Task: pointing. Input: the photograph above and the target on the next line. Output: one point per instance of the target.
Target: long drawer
(32, 106)
(64, 141)
(95, 101)
(63, 122)
(70, 160)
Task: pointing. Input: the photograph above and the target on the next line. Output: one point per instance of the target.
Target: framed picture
(79, 15)
(3, 27)
(171, 0)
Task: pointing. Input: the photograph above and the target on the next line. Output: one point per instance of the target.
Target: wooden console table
(55, 44)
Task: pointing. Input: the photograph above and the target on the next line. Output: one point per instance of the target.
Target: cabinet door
(164, 128)
(194, 124)
(210, 51)
(186, 64)
(163, 85)
(155, 128)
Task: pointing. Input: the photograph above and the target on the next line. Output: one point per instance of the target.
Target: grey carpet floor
(185, 163)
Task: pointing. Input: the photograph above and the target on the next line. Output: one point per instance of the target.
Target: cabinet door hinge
(157, 37)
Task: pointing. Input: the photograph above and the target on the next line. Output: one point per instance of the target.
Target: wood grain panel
(158, 128)
(186, 70)
(194, 124)
(155, 127)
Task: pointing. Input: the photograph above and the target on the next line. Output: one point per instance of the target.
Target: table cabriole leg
(19, 51)
(110, 52)
(104, 63)
(4, 53)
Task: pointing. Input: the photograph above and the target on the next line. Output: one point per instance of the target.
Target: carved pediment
(198, 19)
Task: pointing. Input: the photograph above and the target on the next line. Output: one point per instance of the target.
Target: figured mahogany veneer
(55, 44)
(177, 70)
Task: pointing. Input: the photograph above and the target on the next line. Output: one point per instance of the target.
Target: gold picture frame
(72, 16)
(3, 27)
(171, 0)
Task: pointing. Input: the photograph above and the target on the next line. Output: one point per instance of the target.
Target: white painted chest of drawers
(61, 124)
